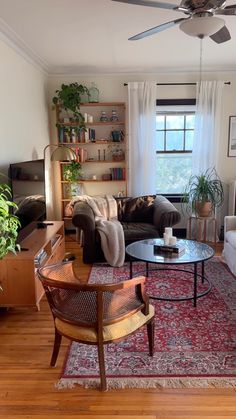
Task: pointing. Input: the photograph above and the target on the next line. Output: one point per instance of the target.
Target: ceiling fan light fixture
(201, 26)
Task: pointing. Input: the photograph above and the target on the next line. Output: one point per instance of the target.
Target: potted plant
(117, 153)
(9, 223)
(203, 193)
(72, 173)
(69, 97)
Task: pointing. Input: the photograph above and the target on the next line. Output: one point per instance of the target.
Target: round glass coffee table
(194, 253)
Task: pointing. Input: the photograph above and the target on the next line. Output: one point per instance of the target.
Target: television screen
(28, 190)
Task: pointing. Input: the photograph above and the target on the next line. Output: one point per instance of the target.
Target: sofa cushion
(138, 231)
(230, 237)
(137, 210)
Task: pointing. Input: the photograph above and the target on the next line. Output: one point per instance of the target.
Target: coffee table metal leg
(195, 285)
(147, 269)
(203, 272)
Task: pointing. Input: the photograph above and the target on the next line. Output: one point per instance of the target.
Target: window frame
(168, 103)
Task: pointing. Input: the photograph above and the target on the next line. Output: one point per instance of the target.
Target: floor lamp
(56, 153)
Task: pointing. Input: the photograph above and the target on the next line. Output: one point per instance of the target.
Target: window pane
(160, 119)
(190, 121)
(174, 140)
(160, 140)
(173, 172)
(189, 140)
(175, 121)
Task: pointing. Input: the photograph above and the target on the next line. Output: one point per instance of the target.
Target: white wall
(112, 88)
(24, 127)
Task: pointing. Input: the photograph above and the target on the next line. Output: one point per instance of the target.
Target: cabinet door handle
(1, 287)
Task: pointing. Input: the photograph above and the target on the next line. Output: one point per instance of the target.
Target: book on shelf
(170, 249)
(117, 173)
(72, 135)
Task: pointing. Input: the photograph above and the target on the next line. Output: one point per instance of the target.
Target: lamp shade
(201, 26)
(63, 153)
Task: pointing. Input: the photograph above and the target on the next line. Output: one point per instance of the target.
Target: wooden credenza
(19, 284)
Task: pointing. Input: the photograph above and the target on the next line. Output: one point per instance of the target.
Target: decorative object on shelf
(103, 117)
(117, 152)
(104, 154)
(203, 193)
(114, 116)
(73, 136)
(106, 176)
(69, 97)
(117, 136)
(9, 223)
(93, 94)
(99, 154)
(232, 137)
(90, 119)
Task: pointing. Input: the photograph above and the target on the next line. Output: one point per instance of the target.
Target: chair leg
(102, 369)
(150, 332)
(56, 347)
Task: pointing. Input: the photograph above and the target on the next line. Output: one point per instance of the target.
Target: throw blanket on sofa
(110, 229)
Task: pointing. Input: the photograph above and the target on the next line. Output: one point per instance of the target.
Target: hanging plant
(69, 97)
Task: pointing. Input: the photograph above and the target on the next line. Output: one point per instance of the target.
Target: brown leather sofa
(144, 217)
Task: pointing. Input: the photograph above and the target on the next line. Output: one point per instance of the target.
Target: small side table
(201, 224)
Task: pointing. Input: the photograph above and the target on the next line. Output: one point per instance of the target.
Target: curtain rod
(178, 84)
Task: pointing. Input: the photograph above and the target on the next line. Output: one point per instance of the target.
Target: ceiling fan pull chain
(200, 63)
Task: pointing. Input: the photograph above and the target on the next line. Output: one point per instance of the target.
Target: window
(175, 121)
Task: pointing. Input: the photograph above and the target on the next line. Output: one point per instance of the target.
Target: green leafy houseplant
(69, 97)
(9, 223)
(203, 190)
(72, 173)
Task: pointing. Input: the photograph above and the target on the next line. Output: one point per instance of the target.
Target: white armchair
(229, 251)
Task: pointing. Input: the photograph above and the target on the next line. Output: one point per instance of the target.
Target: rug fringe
(114, 383)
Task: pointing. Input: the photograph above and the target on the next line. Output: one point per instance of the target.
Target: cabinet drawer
(58, 254)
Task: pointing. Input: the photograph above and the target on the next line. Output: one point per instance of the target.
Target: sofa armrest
(83, 216)
(165, 214)
(229, 223)
(83, 219)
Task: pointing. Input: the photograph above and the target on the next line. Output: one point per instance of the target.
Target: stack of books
(168, 249)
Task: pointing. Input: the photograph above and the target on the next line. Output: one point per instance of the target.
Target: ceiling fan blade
(213, 4)
(221, 36)
(156, 29)
(149, 3)
(228, 10)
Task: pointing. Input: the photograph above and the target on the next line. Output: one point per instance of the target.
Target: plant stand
(202, 229)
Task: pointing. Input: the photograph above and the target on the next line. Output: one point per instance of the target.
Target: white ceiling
(91, 36)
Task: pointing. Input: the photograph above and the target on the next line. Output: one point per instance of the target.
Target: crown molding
(65, 71)
(10, 37)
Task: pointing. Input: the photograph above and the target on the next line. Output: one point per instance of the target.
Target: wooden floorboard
(27, 383)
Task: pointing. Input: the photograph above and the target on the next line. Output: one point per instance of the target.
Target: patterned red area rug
(194, 347)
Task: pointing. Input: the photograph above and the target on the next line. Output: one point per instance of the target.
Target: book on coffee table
(162, 248)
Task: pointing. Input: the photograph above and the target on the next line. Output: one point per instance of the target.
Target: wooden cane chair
(95, 314)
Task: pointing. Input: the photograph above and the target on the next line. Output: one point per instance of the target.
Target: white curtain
(207, 134)
(207, 126)
(141, 138)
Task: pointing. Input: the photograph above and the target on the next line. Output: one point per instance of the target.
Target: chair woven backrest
(89, 304)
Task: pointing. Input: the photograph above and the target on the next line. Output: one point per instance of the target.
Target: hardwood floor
(27, 383)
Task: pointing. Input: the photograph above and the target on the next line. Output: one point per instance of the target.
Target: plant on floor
(9, 223)
(203, 193)
(69, 97)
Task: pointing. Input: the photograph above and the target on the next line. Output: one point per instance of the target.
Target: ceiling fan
(201, 20)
